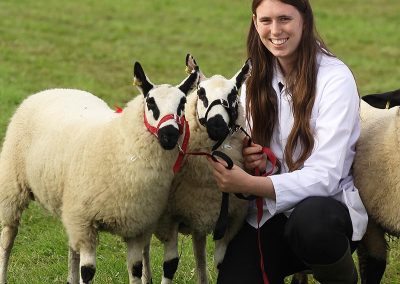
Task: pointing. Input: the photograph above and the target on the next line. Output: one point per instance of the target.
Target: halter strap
(222, 221)
(180, 120)
(231, 125)
(182, 149)
(183, 126)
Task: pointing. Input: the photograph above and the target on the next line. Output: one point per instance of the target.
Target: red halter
(183, 128)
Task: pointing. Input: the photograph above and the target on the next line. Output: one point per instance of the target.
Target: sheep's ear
(383, 100)
(191, 65)
(241, 76)
(190, 83)
(140, 79)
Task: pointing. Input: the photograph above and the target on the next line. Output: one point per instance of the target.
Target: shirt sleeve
(336, 122)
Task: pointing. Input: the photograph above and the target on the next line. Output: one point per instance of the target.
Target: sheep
(374, 171)
(194, 202)
(94, 168)
(376, 176)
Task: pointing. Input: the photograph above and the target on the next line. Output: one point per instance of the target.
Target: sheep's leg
(8, 234)
(87, 263)
(171, 257)
(221, 245)
(73, 266)
(146, 277)
(199, 247)
(299, 278)
(372, 254)
(135, 248)
(219, 251)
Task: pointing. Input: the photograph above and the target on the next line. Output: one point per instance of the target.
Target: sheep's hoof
(170, 267)
(87, 273)
(299, 278)
(137, 270)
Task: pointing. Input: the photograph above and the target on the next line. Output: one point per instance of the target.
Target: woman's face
(280, 27)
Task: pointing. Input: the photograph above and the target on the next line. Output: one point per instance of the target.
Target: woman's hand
(236, 180)
(233, 180)
(253, 156)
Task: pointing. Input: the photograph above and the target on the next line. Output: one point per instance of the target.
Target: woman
(303, 103)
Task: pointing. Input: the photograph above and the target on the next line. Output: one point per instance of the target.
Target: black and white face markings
(201, 93)
(219, 102)
(181, 107)
(152, 106)
(233, 104)
(163, 103)
(243, 74)
(164, 99)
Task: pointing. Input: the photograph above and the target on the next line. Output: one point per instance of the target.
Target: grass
(91, 45)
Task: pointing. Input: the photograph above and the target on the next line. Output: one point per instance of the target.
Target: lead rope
(260, 206)
(182, 149)
(222, 221)
(260, 200)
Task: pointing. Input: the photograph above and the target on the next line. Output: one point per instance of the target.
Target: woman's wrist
(261, 186)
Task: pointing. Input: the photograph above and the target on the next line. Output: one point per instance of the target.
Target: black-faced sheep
(375, 174)
(194, 203)
(96, 169)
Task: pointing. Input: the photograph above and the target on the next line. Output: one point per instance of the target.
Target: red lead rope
(183, 148)
(260, 205)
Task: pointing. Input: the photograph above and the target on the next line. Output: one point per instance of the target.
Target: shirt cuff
(271, 206)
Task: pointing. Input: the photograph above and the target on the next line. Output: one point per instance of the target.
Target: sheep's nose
(168, 137)
(217, 128)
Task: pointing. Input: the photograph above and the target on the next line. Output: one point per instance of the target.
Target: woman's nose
(275, 28)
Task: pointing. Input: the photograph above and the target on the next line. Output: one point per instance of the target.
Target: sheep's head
(383, 100)
(218, 99)
(164, 105)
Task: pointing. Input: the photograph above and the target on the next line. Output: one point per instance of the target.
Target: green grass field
(91, 45)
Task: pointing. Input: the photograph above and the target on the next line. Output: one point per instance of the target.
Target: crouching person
(303, 103)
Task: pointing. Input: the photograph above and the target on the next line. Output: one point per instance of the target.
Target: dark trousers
(318, 231)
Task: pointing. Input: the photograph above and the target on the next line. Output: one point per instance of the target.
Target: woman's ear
(255, 20)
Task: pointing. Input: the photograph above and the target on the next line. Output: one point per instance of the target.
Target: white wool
(195, 198)
(75, 155)
(195, 201)
(376, 165)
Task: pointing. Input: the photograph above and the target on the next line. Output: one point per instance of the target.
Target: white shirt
(336, 126)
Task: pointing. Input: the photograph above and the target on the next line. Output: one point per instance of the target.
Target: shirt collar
(278, 79)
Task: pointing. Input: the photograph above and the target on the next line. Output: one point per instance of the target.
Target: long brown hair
(261, 99)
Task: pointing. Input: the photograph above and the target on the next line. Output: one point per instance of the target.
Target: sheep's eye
(151, 103)
(233, 96)
(181, 107)
(201, 93)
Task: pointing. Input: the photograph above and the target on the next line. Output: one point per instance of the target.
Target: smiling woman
(280, 27)
(302, 102)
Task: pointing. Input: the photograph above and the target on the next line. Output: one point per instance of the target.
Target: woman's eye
(265, 22)
(284, 19)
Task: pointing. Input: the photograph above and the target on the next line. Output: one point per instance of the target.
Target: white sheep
(195, 201)
(376, 174)
(95, 169)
